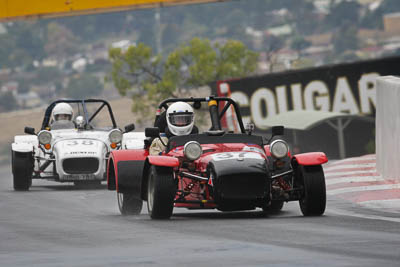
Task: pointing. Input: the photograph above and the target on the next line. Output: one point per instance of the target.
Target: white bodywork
(73, 144)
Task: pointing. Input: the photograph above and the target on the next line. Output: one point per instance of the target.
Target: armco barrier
(388, 127)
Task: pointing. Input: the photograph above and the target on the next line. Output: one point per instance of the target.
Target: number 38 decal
(80, 142)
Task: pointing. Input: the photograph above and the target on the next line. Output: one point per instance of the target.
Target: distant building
(391, 23)
(3, 30)
(28, 100)
(10, 87)
(123, 44)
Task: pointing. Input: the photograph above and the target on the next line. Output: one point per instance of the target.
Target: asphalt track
(58, 225)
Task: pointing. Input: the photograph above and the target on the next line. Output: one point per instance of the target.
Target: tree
(343, 13)
(345, 39)
(61, 41)
(271, 45)
(7, 102)
(84, 86)
(151, 78)
(299, 43)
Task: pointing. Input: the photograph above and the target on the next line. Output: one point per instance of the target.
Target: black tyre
(313, 202)
(275, 207)
(161, 192)
(128, 204)
(22, 169)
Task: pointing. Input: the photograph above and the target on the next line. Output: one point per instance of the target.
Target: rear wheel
(128, 204)
(22, 169)
(161, 192)
(313, 202)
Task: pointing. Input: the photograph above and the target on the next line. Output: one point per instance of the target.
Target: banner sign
(348, 88)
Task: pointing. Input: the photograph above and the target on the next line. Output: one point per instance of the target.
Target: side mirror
(129, 127)
(278, 130)
(197, 105)
(152, 132)
(29, 130)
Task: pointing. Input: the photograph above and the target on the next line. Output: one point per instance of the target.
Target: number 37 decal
(236, 155)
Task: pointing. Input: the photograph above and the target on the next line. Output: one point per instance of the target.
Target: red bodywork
(199, 191)
(195, 193)
(119, 156)
(311, 158)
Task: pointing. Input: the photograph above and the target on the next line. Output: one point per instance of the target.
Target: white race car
(77, 152)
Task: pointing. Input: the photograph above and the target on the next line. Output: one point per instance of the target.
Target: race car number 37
(236, 155)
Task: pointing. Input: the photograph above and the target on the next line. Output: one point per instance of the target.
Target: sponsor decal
(79, 177)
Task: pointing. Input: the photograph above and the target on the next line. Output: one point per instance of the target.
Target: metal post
(342, 148)
(157, 17)
(340, 132)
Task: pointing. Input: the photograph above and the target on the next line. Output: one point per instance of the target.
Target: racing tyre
(22, 168)
(275, 207)
(313, 202)
(128, 204)
(160, 192)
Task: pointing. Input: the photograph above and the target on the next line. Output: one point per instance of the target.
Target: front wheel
(313, 202)
(128, 204)
(22, 169)
(161, 192)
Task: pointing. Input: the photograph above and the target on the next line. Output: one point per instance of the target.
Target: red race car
(216, 169)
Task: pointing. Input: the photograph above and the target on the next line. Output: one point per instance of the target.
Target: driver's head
(62, 112)
(180, 118)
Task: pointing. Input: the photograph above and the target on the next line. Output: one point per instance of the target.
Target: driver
(180, 121)
(62, 117)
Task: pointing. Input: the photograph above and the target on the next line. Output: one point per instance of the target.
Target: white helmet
(62, 111)
(180, 118)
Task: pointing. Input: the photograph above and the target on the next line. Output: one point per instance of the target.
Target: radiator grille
(81, 165)
(242, 186)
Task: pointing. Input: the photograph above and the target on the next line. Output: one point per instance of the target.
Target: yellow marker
(212, 103)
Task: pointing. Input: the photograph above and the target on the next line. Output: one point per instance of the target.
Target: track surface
(58, 225)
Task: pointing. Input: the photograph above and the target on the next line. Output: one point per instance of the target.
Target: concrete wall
(388, 127)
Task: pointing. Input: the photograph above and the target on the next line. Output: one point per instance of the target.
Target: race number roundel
(236, 155)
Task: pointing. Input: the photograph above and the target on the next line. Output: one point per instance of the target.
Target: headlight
(192, 150)
(44, 137)
(115, 136)
(279, 149)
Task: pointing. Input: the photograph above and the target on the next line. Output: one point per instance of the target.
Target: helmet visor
(62, 117)
(181, 119)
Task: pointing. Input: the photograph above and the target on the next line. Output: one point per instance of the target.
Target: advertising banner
(348, 88)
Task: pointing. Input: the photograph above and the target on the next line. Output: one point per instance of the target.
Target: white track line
(353, 166)
(354, 179)
(353, 173)
(365, 216)
(363, 188)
